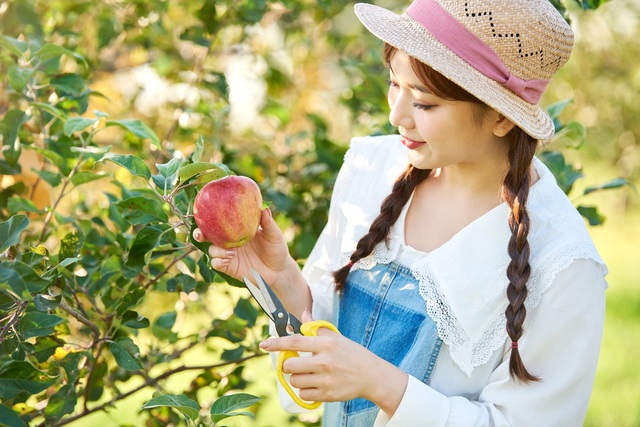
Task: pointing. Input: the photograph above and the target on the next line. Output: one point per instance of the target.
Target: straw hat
(502, 51)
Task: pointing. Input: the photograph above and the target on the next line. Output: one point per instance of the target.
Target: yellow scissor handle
(309, 329)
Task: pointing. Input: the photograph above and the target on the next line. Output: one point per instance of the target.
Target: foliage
(80, 266)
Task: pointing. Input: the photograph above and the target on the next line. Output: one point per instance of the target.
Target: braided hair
(515, 191)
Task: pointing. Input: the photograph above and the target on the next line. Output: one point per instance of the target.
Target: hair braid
(515, 192)
(389, 213)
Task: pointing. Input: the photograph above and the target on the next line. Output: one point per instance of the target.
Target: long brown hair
(515, 191)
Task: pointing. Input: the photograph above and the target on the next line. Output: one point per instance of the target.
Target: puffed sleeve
(561, 344)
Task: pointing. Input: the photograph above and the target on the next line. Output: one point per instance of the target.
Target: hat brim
(406, 34)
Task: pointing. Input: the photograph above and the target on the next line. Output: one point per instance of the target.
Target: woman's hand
(267, 253)
(339, 370)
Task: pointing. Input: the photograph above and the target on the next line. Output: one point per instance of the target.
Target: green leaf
(166, 178)
(34, 324)
(615, 183)
(233, 354)
(134, 320)
(194, 169)
(11, 229)
(182, 282)
(138, 128)
(100, 114)
(6, 169)
(84, 177)
(578, 130)
(51, 50)
(9, 127)
(130, 300)
(22, 278)
(70, 245)
(46, 302)
(223, 407)
(170, 168)
(140, 210)
(56, 158)
(196, 156)
(126, 353)
(590, 213)
(18, 77)
(556, 108)
(52, 178)
(133, 164)
(93, 152)
(146, 240)
(18, 376)
(182, 403)
(162, 326)
(230, 280)
(207, 273)
(18, 47)
(565, 175)
(63, 402)
(77, 124)
(51, 110)
(18, 204)
(9, 418)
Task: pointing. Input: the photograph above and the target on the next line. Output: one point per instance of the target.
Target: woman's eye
(422, 106)
(392, 84)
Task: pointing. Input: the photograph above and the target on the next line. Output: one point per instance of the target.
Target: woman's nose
(401, 111)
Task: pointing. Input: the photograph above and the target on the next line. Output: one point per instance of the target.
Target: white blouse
(464, 283)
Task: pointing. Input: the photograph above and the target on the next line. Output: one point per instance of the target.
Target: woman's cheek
(392, 97)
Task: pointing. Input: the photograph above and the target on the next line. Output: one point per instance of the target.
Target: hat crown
(530, 36)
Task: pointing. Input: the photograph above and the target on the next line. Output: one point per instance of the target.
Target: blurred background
(278, 88)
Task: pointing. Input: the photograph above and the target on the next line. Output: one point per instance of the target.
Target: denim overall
(382, 309)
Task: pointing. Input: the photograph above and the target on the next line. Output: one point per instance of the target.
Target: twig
(75, 296)
(149, 382)
(95, 332)
(13, 319)
(166, 270)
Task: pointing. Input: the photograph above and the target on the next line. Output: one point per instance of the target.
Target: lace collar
(463, 282)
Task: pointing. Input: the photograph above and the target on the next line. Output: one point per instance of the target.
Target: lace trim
(464, 352)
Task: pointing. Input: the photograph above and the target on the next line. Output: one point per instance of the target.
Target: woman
(468, 291)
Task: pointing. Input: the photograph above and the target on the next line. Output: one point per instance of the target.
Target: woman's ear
(502, 126)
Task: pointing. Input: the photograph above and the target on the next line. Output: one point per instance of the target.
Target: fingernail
(196, 235)
(307, 312)
(269, 210)
(231, 253)
(264, 345)
(226, 261)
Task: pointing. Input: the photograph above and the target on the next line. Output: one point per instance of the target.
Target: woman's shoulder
(370, 151)
(371, 166)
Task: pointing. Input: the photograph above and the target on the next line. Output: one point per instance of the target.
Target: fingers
(198, 235)
(221, 257)
(293, 342)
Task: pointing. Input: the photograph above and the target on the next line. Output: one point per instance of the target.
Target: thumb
(268, 224)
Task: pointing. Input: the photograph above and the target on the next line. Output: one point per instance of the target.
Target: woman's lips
(410, 143)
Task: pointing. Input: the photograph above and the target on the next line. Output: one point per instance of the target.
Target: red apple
(228, 210)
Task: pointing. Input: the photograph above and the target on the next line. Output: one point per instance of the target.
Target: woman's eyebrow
(420, 88)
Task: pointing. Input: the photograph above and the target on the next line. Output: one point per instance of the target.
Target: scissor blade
(266, 291)
(256, 293)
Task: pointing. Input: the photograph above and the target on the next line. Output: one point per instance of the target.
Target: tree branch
(149, 382)
(13, 319)
(95, 332)
(166, 270)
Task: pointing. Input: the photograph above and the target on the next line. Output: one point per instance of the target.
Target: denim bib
(382, 309)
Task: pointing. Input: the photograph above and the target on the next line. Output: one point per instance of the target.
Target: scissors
(285, 322)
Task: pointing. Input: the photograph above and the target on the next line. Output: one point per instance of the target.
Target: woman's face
(438, 132)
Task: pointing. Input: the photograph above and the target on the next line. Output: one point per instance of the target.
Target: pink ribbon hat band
(435, 19)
